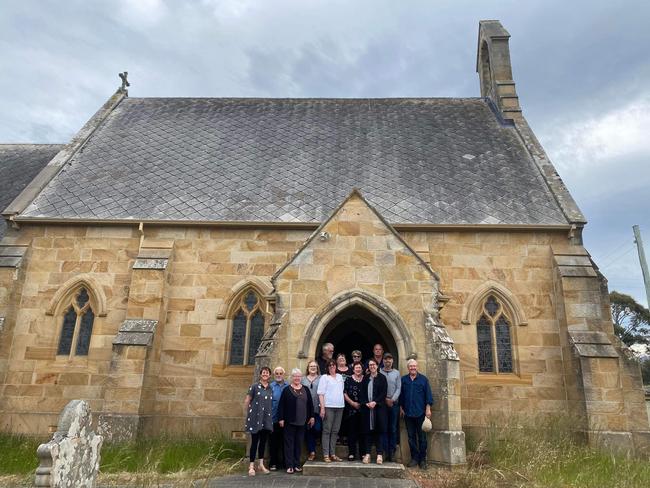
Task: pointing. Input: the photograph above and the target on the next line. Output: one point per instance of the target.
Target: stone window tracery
(77, 327)
(247, 329)
(494, 338)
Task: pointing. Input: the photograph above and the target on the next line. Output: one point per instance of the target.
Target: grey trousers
(331, 426)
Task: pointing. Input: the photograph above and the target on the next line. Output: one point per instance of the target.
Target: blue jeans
(313, 433)
(417, 438)
(392, 432)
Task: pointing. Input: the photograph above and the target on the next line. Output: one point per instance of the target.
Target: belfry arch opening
(356, 327)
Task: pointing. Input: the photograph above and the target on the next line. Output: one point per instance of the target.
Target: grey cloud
(572, 61)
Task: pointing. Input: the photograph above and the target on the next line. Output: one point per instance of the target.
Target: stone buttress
(130, 396)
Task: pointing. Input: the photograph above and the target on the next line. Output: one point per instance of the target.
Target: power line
(610, 253)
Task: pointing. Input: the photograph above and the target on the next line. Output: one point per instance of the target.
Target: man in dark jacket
(415, 403)
(327, 354)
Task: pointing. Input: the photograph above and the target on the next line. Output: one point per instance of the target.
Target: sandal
(336, 458)
(251, 470)
(312, 456)
(327, 459)
(289, 470)
(380, 459)
(366, 459)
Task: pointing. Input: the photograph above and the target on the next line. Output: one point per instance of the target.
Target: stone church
(174, 244)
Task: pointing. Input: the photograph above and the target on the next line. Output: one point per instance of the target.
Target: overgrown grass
(167, 455)
(162, 455)
(18, 454)
(539, 452)
(547, 450)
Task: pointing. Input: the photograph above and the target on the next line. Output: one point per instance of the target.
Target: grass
(166, 455)
(18, 454)
(142, 463)
(547, 451)
(539, 452)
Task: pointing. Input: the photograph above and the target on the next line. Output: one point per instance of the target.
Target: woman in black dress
(352, 392)
(373, 411)
(259, 423)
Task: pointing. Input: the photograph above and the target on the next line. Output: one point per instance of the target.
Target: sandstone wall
(191, 387)
(521, 262)
(39, 383)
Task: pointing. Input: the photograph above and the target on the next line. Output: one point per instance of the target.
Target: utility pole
(644, 263)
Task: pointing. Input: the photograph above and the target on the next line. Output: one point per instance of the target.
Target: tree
(631, 319)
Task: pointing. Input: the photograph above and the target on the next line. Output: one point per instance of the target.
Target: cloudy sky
(582, 71)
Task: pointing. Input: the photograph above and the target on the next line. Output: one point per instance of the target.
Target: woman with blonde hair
(295, 411)
(310, 381)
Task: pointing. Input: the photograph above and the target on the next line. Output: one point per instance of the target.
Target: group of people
(361, 400)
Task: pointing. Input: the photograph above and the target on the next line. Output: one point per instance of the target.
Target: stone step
(342, 452)
(354, 469)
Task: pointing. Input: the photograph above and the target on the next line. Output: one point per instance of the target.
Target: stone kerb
(71, 458)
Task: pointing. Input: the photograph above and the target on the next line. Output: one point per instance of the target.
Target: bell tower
(494, 68)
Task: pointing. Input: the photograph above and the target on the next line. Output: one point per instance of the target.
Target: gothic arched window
(77, 325)
(494, 338)
(247, 329)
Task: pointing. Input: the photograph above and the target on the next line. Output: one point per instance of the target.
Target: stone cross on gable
(125, 82)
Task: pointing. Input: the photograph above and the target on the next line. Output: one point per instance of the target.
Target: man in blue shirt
(415, 402)
(277, 436)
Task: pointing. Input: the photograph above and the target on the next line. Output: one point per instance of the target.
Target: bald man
(415, 403)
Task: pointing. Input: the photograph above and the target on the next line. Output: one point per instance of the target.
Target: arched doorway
(356, 327)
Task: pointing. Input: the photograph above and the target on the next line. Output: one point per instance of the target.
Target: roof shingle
(19, 164)
(423, 161)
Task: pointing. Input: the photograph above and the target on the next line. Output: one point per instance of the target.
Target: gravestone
(71, 458)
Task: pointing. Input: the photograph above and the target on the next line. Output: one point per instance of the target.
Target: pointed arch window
(494, 338)
(247, 329)
(77, 327)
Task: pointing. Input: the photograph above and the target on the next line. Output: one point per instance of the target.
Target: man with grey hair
(415, 402)
(277, 436)
(327, 354)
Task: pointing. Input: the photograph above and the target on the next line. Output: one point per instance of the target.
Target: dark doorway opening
(357, 328)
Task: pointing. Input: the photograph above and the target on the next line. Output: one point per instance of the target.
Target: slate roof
(423, 161)
(19, 164)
